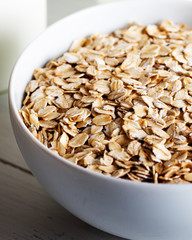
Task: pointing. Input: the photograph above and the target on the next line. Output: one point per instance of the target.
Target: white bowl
(140, 211)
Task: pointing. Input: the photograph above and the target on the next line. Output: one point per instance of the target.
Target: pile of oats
(119, 104)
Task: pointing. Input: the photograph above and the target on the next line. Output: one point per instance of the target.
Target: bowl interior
(104, 18)
(54, 41)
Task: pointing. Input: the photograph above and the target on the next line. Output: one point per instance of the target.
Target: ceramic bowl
(139, 211)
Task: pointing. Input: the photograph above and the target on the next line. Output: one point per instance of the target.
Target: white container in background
(20, 22)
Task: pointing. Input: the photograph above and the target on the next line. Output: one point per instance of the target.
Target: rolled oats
(119, 104)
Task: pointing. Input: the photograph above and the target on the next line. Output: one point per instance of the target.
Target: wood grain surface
(27, 212)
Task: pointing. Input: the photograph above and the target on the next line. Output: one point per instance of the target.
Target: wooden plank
(8, 148)
(28, 212)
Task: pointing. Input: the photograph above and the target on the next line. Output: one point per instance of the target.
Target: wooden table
(26, 210)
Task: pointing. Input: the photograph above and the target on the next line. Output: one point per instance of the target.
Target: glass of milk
(20, 22)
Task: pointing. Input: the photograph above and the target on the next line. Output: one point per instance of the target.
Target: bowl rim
(13, 108)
